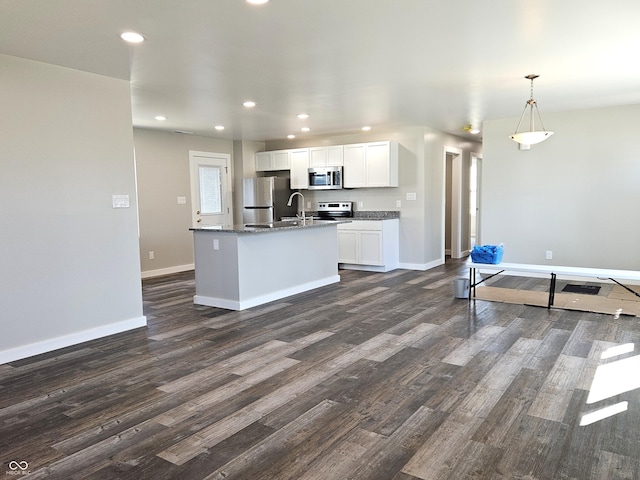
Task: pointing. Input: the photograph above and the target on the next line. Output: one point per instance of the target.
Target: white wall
(576, 194)
(162, 164)
(70, 266)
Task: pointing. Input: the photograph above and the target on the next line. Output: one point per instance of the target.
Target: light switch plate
(411, 196)
(182, 200)
(120, 201)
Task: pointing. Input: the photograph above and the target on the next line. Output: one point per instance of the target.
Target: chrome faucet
(291, 199)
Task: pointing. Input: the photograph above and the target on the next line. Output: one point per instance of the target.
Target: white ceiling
(347, 63)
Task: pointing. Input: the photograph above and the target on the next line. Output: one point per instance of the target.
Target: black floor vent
(584, 289)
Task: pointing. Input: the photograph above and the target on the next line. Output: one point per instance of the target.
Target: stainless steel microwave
(325, 178)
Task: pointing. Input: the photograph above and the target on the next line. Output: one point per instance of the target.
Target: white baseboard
(367, 268)
(405, 266)
(422, 266)
(168, 270)
(259, 300)
(49, 345)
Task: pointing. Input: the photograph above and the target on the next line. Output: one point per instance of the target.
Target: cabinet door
(299, 169)
(281, 160)
(370, 248)
(335, 156)
(347, 246)
(263, 161)
(354, 166)
(318, 157)
(377, 156)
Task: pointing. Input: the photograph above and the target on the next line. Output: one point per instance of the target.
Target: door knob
(199, 220)
(198, 212)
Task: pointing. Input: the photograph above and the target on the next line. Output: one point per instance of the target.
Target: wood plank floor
(382, 376)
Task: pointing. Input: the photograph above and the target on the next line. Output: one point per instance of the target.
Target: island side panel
(275, 265)
(216, 270)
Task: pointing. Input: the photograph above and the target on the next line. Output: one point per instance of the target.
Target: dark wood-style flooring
(382, 376)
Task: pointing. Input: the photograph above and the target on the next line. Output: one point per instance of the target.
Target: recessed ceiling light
(219, 127)
(257, 2)
(161, 118)
(132, 37)
(291, 136)
(302, 116)
(474, 131)
(305, 129)
(366, 128)
(249, 104)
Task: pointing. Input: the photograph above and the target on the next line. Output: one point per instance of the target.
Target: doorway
(453, 226)
(210, 189)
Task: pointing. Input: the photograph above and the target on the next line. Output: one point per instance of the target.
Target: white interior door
(210, 189)
(475, 173)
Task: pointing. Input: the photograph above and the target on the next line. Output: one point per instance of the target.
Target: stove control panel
(334, 206)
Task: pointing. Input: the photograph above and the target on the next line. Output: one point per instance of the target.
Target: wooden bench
(553, 270)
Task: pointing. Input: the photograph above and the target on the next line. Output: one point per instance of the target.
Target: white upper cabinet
(365, 165)
(354, 172)
(263, 161)
(299, 160)
(326, 156)
(275, 160)
(382, 164)
(372, 164)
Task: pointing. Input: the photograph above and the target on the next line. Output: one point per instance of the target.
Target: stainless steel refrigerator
(265, 200)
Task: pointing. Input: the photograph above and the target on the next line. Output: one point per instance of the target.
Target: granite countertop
(369, 215)
(376, 215)
(269, 227)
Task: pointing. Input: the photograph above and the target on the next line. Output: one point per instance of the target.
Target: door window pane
(210, 189)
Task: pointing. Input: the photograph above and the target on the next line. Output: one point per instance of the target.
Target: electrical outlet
(152, 255)
(216, 244)
(398, 203)
(360, 204)
(549, 255)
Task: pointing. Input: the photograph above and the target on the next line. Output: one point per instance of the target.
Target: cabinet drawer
(375, 225)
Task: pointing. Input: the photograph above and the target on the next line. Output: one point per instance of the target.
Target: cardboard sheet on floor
(619, 301)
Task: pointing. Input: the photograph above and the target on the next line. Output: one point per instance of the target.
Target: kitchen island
(241, 266)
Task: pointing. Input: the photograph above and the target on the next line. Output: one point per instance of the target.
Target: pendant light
(532, 136)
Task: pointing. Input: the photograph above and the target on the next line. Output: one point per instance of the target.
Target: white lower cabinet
(369, 245)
